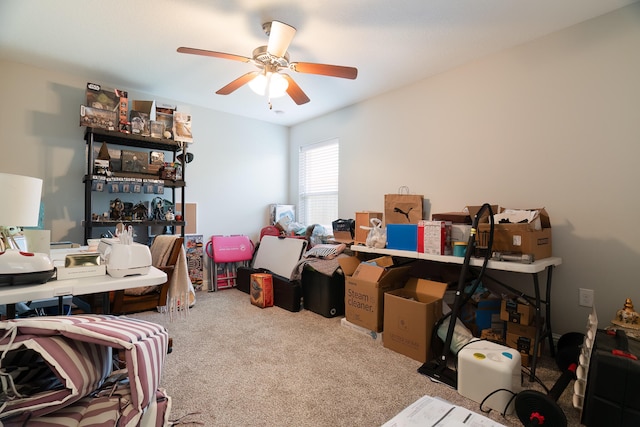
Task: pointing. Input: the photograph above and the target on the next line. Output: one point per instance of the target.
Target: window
(318, 183)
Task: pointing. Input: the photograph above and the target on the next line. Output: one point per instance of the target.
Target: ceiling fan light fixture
(280, 36)
(274, 85)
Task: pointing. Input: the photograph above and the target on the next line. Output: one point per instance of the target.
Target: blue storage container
(402, 236)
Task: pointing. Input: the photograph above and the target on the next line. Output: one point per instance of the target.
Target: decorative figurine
(116, 209)
(627, 315)
(158, 209)
(140, 211)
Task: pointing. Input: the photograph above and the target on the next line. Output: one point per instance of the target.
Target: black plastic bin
(323, 294)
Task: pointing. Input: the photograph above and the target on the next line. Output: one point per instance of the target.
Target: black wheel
(534, 408)
(568, 349)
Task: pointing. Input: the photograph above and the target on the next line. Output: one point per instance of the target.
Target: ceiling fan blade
(294, 91)
(242, 80)
(325, 70)
(213, 54)
(280, 37)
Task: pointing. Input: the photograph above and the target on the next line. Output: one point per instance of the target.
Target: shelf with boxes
(131, 187)
(533, 269)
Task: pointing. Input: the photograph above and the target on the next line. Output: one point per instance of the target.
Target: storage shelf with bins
(99, 136)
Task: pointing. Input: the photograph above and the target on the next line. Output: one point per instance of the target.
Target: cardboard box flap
(368, 272)
(394, 277)
(148, 107)
(473, 211)
(545, 222)
(425, 290)
(383, 261)
(349, 264)
(542, 215)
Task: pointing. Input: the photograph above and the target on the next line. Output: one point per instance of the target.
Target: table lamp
(20, 197)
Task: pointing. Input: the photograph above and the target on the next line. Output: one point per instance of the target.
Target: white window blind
(318, 183)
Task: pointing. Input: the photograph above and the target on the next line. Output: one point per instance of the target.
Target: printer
(124, 259)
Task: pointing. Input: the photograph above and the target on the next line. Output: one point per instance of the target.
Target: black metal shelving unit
(98, 136)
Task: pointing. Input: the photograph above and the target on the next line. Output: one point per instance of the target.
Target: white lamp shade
(20, 198)
(271, 84)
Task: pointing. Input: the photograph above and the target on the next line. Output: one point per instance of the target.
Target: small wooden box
(364, 218)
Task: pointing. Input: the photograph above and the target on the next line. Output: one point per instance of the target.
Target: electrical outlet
(586, 297)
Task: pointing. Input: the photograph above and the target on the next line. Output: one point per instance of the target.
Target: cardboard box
(402, 237)
(522, 338)
(343, 230)
(466, 216)
(434, 237)
(522, 238)
(453, 217)
(261, 294)
(147, 107)
(364, 219)
(514, 312)
(496, 335)
(410, 314)
(365, 285)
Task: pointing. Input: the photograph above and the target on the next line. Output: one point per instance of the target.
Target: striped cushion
(78, 349)
(68, 371)
(105, 409)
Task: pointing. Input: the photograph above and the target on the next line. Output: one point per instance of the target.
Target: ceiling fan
(270, 60)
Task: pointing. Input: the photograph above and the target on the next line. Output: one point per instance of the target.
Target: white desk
(75, 287)
(10, 295)
(539, 266)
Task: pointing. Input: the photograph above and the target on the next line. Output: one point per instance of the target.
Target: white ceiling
(132, 43)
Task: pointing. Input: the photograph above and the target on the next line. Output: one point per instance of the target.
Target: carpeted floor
(234, 364)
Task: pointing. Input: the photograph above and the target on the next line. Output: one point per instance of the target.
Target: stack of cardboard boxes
(521, 327)
(383, 300)
(381, 296)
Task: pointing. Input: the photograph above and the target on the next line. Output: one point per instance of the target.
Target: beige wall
(552, 123)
